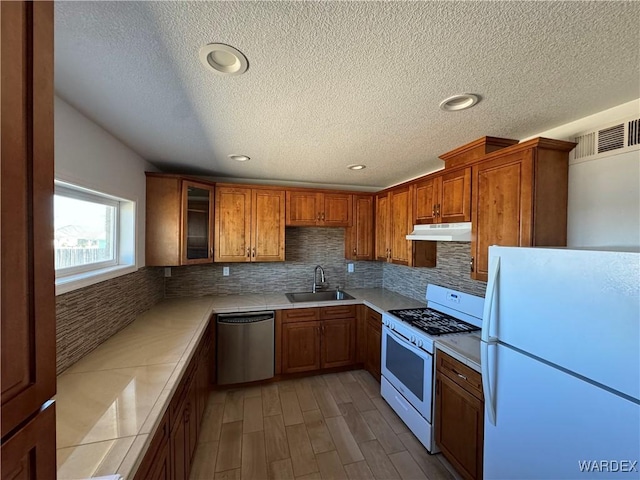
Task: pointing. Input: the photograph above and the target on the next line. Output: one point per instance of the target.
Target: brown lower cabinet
(173, 446)
(459, 415)
(317, 338)
(31, 452)
(373, 342)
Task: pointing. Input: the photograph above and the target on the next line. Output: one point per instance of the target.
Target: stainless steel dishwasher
(245, 347)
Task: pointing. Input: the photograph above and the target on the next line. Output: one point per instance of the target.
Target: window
(94, 236)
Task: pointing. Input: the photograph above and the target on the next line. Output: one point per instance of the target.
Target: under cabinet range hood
(442, 232)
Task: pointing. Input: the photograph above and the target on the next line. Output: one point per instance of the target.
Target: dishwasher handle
(245, 317)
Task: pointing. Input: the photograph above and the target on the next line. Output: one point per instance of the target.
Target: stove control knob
(420, 343)
(386, 322)
(413, 339)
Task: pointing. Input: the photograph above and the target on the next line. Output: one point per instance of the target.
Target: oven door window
(406, 366)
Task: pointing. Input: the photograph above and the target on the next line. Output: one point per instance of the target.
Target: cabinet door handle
(248, 251)
(433, 211)
(461, 376)
(318, 216)
(253, 253)
(438, 210)
(322, 215)
(354, 252)
(471, 264)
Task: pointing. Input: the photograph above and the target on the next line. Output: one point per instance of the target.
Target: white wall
(87, 155)
(604, 194)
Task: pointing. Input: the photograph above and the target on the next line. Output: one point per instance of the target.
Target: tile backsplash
(89, 316)
(452, 270)
(305, 248)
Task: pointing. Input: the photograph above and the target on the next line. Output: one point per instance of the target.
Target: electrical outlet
(225, 271)
(167, 272)
(350, 268)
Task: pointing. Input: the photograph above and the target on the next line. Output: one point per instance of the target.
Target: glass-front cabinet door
(197, 235)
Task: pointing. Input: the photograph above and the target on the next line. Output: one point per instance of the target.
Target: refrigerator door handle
(489, 401)
(494, 269)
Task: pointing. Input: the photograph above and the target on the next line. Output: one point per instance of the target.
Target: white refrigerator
(560, 358)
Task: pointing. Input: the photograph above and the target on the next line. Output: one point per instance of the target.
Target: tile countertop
(464, 347)
(109, 403)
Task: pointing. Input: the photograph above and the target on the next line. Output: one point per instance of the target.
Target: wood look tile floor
(333, 426)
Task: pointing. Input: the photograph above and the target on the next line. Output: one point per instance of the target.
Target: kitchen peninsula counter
(110, 403)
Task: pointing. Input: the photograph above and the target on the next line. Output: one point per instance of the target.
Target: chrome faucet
(315, 276)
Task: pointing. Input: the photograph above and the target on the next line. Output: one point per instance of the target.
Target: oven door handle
(407, 343)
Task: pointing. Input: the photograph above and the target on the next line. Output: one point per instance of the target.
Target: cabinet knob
(471, 264)
(253, 253)
(248, 251)
(322, 215)
(318, 216)
(354, 252)
(433, 211)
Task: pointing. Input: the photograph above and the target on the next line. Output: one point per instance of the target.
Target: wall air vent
(612, 139)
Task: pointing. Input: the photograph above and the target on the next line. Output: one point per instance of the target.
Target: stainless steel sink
(318, 296)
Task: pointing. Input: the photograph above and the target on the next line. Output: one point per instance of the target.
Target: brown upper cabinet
(179, 223)
(249, 224)
(394, 221)
(472, 152)
(519, 199)
(443, 198)
(358, 239)
(310, 208)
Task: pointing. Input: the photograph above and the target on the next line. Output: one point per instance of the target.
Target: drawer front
(338, 311)
(300, 315)
(466, 377)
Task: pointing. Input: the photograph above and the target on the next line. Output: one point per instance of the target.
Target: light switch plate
(225, 271)
(350, 268)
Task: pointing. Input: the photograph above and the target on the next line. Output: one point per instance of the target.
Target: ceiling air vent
(634, 133)
(610, 140)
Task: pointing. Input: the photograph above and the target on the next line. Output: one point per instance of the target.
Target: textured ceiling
(336, 83)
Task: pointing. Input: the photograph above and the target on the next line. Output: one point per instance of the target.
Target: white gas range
(407, 353)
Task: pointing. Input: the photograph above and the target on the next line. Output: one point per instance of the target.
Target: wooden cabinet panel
(401, 225)
(359, 237)
(28, 305)
(300, 315)
(459, 427)
(444, 198)
(454, 204)
(501, 207)
(394, 221)
(338, 342)
(425, 200)
(249, 224)
(180, 446)
(337, 210)
(519, 199)
(338, 311)
(267, 225)
(361, 334)
(233, 224)
(300, 347)
(309, 208)
(303, 208)
(179, 221)
(373, 343)
(382, 227)
(30, 453)
(156, 462)
(315, 338)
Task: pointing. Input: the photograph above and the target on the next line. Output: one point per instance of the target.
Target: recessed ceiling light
(223, 59)
(356, 167)
(459, 102)
(239, 158)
